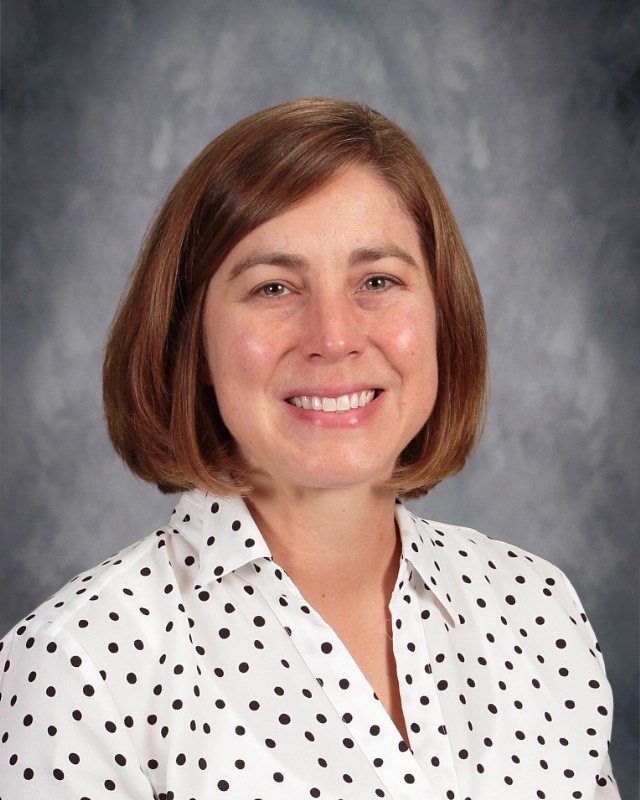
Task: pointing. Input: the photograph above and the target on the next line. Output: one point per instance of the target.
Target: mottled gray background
(529, 113)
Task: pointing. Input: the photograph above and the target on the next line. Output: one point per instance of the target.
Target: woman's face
(320, 333)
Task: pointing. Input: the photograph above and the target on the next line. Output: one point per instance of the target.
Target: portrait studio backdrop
(528, 112)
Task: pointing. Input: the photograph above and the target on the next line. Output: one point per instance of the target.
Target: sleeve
(61, 737)
(606, 786)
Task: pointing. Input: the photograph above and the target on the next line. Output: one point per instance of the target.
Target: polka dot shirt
(189, 667)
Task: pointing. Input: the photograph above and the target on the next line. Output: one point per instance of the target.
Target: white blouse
(189, 666)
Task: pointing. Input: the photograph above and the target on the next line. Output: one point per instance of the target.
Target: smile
(332, 404)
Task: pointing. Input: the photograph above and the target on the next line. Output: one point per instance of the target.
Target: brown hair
(161, 415)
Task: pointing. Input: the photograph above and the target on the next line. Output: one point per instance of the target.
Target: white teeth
(331, 404)
(364, 398)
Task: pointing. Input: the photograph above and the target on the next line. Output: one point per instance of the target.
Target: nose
(333, 327)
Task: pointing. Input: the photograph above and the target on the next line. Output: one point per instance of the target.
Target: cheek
(239, 354)
(414, 346)
(414, 341)
(410, 342)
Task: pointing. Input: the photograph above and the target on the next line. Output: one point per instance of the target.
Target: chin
(341, 476)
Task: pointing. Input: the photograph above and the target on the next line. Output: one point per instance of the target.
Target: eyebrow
(368, 255)
(269, 258)
(363, 255)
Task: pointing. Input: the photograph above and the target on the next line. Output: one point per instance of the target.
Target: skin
(331, 297)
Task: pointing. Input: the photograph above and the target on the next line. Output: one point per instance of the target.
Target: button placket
(410, 605)
(393, 766)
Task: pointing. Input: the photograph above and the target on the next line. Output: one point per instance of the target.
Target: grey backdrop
(529, 114)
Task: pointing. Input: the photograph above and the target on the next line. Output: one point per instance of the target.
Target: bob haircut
(162, 417)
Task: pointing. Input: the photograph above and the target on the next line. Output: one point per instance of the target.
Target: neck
(338, 543)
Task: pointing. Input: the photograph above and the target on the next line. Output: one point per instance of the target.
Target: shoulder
(502, 558)
(70, 667)
(462, 547)
(486, 578)
(122, 585)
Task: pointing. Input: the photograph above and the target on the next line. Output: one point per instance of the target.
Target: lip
(341, 403)
(349, 418)
(331, 391)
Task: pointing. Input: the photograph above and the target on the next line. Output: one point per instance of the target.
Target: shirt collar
(224, 532)
(423, 547)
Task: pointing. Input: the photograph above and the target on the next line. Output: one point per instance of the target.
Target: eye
(272, 289)
(379, 283)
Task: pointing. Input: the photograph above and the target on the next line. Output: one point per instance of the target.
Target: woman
(301, 343)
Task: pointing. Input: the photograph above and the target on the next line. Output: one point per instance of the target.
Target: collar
(227, 538)
(423, 547)
(222, 530)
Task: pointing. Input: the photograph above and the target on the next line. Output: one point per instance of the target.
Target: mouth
(343, 402)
